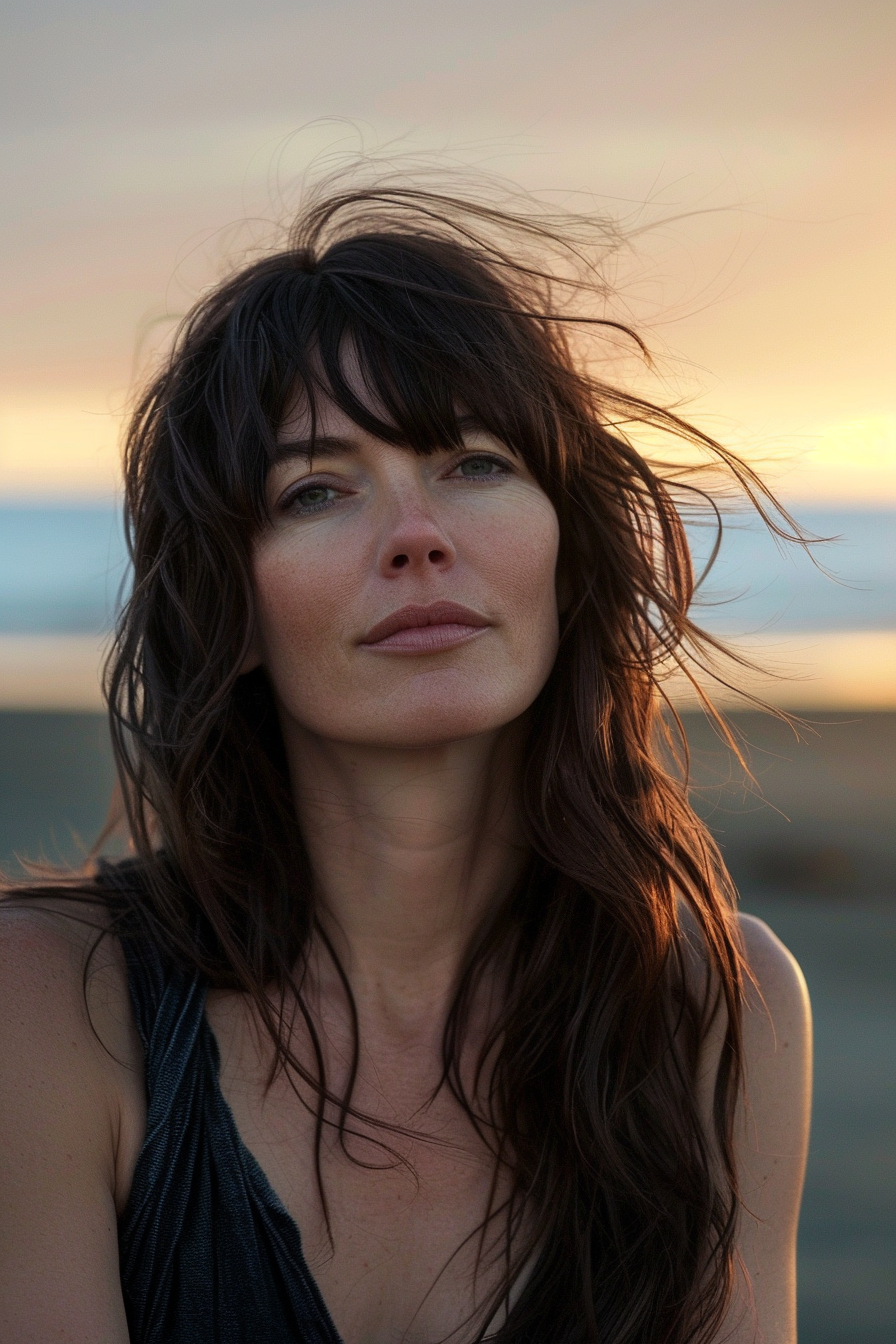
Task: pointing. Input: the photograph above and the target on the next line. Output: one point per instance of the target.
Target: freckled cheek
(299, 601)
(520, 562)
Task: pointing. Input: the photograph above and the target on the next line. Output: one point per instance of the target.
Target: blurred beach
(809, 838)
(743, 156)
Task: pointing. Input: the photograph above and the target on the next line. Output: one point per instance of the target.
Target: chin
(426, 722)
(426, 735)
(422, 729)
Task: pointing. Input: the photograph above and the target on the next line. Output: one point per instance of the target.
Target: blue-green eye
(479, 468)
(310, 498)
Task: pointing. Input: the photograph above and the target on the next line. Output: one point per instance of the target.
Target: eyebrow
(333, 445)
(324, 445)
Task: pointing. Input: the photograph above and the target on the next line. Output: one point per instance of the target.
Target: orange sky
(132, 134)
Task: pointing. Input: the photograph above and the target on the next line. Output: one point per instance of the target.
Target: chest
(391, 1208)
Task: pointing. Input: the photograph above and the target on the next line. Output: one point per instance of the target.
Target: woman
(421, 951)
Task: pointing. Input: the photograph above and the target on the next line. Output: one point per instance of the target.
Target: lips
(415, 629)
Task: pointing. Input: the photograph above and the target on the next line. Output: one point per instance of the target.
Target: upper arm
(60, 1134)
(771, 1139)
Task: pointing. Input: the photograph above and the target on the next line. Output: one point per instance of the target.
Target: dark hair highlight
(620, 944)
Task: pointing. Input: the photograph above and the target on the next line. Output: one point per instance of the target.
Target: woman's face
(403, 601)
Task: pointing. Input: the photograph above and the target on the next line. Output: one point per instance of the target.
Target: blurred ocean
(814, 852)
(845, 583)
(61, 570)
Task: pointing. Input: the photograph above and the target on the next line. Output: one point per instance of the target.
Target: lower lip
(427, 638)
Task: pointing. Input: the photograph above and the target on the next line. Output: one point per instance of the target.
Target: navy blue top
(209, 1255)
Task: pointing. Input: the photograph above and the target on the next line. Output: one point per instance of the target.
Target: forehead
(343, 399)
(314, 419)
(336, 434)
(328, 420)
(327, 417)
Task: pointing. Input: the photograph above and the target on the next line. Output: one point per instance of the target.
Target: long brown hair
(630, 1206)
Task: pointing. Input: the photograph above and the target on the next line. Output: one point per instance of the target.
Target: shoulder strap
(168, 1002)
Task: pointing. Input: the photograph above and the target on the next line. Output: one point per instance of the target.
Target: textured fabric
(209, 1255)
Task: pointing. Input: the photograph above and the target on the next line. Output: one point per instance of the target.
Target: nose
(414, 540)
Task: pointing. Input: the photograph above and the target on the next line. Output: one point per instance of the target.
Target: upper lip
(411, 617)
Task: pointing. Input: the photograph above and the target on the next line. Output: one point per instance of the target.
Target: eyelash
(506, 469)
(292, 501)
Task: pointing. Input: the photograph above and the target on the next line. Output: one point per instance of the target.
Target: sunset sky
(138, 138)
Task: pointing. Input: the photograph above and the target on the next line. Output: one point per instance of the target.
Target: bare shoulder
(65, 1008)
(771, 1134)
(771, 1127)
(71, 1104)
(60, 971)
(777, 1035)
(44, 959)
(776, 997)
(777, 980)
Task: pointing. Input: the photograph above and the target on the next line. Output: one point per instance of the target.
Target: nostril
(399, 561)
(436, 556)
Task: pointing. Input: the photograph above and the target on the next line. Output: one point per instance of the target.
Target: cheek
(298, 598)
(520, 562)
(308, 595)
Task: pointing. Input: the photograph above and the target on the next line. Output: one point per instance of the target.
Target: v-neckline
(262, 1187)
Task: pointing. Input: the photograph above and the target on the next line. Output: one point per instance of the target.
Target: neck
(410, 850)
